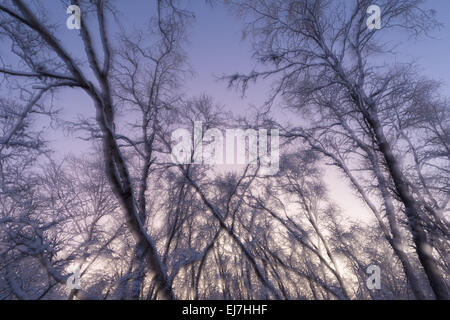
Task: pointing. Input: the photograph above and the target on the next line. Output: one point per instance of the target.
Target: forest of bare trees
(138, 225)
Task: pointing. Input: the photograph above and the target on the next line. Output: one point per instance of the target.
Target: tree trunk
(423, 248)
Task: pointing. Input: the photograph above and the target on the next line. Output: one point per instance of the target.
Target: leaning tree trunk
(423, 248)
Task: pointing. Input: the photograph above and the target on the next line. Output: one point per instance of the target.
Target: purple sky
(215, 48)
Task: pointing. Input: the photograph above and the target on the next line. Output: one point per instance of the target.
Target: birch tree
(322, 54)
(49, 64)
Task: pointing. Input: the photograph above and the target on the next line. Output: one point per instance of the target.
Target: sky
(216, 48)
